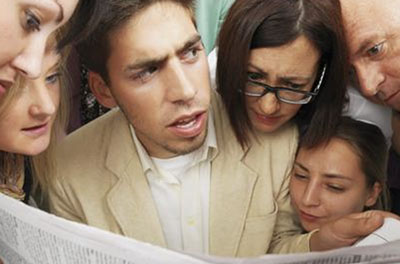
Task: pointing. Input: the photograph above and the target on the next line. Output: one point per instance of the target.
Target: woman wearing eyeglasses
(282, 61)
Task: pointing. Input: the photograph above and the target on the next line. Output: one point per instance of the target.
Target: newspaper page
(31, 236)
(387, 253)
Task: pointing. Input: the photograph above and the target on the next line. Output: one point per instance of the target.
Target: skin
(25, 26)
(294, 65)
(26, 123)
(159, 78)
(327, 183)
(373, 38)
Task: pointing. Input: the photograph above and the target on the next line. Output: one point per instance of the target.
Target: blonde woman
(30, 86)
(32, 118)
(26, 25)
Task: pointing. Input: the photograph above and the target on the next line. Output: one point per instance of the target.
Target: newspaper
(31, 236)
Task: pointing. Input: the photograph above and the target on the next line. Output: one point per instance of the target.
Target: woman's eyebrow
(61, 13)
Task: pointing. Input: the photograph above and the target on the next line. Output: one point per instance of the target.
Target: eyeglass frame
(276, 90)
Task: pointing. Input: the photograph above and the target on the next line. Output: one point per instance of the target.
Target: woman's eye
(300, 176)
(297, 86)
(336, 188)
(254, 76)
(32, 21)
(53, 78)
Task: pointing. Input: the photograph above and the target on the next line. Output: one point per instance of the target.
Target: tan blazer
(100, 182)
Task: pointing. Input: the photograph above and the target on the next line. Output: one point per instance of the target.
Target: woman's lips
(37, 130)
(2, 89)
(190, 126)
(4, 85)
(267, 120)
(308, 217)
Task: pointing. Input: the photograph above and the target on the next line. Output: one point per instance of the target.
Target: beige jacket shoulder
(100, 182)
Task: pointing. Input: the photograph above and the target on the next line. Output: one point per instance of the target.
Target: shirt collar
(207, 151)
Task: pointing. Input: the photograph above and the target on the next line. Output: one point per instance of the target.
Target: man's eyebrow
(61, 13)
(189, 43)
(141, 64)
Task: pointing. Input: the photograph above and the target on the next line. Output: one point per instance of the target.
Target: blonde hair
(12, 164)
(43, 164)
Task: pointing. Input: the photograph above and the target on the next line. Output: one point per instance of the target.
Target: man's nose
(181, 88)
(370, 78)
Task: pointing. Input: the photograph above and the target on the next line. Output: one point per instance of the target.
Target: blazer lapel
(130, 199)
(232, 183)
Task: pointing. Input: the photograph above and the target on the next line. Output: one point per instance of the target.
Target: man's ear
(101, 90)
(374, 194)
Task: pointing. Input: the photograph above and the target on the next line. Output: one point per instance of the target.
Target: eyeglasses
(284, 94)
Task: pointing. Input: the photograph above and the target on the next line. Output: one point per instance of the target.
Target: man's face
(159, 78)
(373, 37)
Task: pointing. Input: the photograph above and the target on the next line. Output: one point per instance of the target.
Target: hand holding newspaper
(31, 236)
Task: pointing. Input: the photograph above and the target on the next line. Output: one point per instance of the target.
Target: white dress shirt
(180, 187)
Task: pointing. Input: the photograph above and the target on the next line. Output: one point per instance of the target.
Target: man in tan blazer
(165, 167)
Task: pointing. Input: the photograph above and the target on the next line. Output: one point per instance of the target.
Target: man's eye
(32, 22)
(145, 75)
(191, 54)
(375, 50)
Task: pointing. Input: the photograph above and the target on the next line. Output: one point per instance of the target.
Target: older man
(373, 37)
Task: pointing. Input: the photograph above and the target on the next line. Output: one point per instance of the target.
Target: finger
(371, 213)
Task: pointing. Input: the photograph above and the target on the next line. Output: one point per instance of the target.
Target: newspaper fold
(31, 236)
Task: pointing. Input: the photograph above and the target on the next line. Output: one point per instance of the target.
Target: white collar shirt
(180, 187)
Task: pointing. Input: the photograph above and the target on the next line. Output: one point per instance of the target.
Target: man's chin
(190, 145)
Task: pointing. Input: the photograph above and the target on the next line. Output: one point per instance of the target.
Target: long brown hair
(369, 143)
(252, 24)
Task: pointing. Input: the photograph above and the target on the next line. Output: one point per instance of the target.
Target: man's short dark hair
(95, 50)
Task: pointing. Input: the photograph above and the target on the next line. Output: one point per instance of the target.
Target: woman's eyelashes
(254, 76)
(32, 21)
(53, 78)
(301, 176)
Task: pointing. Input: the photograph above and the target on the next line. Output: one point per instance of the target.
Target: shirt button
(192, 222)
